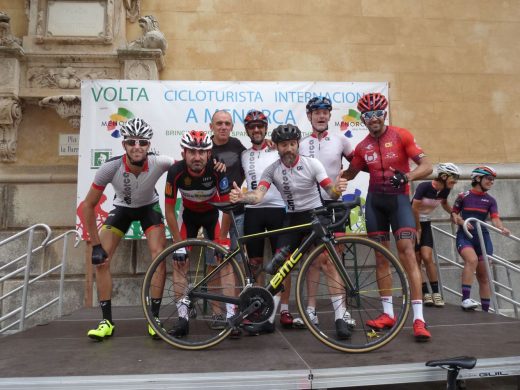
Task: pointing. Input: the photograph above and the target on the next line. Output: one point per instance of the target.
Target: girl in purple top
(476, 203)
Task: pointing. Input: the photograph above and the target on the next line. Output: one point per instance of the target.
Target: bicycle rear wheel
(177, 282)
(319, 285)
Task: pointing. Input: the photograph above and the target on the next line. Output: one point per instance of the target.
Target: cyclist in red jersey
(385, 153)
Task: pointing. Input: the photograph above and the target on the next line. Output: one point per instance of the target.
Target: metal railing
(495, 285)
(23, 263)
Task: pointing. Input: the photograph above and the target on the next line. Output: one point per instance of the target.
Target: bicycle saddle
(467, 362)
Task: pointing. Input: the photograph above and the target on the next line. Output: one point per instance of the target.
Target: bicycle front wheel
(321, 285)
(192, 279)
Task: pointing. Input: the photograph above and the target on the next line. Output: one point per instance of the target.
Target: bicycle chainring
(257, 294)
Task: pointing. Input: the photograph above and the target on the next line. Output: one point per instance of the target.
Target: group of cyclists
(287, 177)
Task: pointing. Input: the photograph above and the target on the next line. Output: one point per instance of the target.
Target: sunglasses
(141, 142)
(489, 177)
(253, 126)
(372, 114)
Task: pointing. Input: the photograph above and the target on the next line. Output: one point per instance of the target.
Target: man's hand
(236, 195)
(340, 185)
(399, 179)
(98, 255)
(219, 166)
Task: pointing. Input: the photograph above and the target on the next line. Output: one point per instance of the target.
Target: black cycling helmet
(317, 103)
(255, 116)
(286, 133)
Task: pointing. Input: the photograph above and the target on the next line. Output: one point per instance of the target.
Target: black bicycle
(338, 273)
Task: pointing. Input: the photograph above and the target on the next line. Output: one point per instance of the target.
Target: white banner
(174, 107)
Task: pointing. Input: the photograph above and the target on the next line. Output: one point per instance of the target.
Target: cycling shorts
(194, 221)
(462, 241)
(426, 236)
(120, 218)
(383, 211)
(294, 239)
(258, 220)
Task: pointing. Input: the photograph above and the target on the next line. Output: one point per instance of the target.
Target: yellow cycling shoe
(104, 329)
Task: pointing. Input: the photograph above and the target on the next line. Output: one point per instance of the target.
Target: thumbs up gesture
(236, 194)
(341, 184)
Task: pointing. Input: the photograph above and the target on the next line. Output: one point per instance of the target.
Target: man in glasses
(385, 153)
(476, 203)
(133, 176)
(428, 195)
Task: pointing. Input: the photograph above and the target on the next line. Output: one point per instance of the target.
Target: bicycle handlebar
(347, 206)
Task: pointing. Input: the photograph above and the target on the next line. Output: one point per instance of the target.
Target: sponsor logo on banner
(116, 121)
(351, 122)
(98, 157)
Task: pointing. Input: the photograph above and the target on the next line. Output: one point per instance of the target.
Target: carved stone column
(67, 106)
(10, 117)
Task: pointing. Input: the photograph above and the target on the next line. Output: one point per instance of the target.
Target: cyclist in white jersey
(295, 176)
(266, 215)
(133, 177)
(329, 148)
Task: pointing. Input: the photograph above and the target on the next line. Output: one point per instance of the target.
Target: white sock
(388, 307)
(417, 307)
(284, 307)
(182, 309)
(338, 303)
(230, 310)
(276, 299)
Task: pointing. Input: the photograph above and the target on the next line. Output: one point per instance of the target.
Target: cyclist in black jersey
(227, 150)
(133, 176)
(198, 182)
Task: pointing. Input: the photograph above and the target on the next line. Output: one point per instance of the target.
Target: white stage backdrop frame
(174, 107)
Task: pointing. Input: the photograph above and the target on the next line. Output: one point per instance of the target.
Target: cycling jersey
(196, 191)
(475, 204)
(430, 198)
(297, 184)
(254, 162)
(391, 150)
(130, 190)
(329, 150)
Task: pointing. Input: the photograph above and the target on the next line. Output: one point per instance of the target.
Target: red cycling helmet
(255, 116)
(482, 171)
(372, 102)
(196, 139)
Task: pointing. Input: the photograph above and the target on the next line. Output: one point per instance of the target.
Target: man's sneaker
(298, 322)
(286, 319)
(427, 299)
(420, 332)
(104, 329)
(351, 323)
(218, 322)
(469, 304)
(258, 329)
(437, 300)
(342, 329)
(381, 322)
(153, 334)
(181, 329)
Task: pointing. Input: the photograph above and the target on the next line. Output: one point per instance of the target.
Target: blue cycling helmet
(317, 103)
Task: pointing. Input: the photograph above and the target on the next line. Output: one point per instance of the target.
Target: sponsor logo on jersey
(224, 183)
(371, 157)
(388, 144)
(187, 181)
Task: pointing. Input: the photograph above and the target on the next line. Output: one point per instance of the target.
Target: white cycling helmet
(137, 128)
(448, 168)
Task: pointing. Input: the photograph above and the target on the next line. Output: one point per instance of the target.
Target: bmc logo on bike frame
(284, 270)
